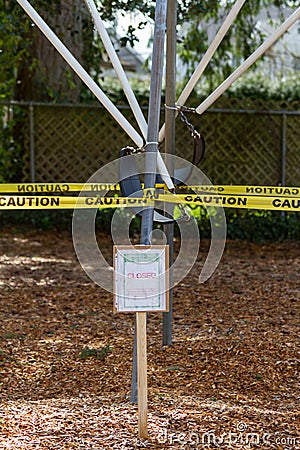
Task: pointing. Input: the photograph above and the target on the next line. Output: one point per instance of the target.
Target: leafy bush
(256, 86)
(11, 120)
(243, 224)
(255, 225)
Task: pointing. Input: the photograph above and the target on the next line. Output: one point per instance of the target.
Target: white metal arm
(95, 89)
(126, 86)
(206, 58)
(248, 62)
(118, 67)
(81, 72)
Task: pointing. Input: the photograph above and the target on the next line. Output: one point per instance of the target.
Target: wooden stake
(141, 337)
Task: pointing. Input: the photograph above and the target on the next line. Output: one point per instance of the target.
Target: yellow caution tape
(57, 188)
(52, 202)
(281, 191)
(227, 201)
(246, 202)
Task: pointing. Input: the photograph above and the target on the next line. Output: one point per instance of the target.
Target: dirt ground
(230, 379)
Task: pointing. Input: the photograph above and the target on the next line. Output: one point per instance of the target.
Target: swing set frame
(149, 135)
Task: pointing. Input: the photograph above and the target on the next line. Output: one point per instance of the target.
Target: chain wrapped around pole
(199, 143)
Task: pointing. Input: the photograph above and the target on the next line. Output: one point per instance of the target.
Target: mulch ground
(230, 379)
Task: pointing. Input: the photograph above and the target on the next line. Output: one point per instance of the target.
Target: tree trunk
(46, 76)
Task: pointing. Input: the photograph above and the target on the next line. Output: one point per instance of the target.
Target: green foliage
(99, 354)
(253, 86)
(23, 74)
(11, 120)
(16, 47)
(238, 43)
(14, 44)
(17, 38)
(58, 220)
(249, 225)
(9, 335)
(113, 89)
(254, 225)
(242, 38)
(37, 219)
(258, 86)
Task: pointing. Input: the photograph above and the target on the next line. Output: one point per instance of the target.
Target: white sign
(141, 278)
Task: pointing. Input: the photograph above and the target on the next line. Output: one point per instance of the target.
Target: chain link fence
(247, 141)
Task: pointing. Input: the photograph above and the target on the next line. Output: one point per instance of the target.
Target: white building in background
(133, 59)
(130, 58)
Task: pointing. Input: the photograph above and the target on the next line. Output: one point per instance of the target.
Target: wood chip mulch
(230, 379)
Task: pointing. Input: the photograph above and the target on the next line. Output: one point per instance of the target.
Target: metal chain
(181, 109)
(131, 150)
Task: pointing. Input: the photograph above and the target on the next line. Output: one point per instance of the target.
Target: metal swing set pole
(139, 367)
(153, 157)
(126, 87)
(167, 320)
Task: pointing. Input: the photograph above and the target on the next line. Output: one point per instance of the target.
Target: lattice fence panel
(240, 148)
(71, 143)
